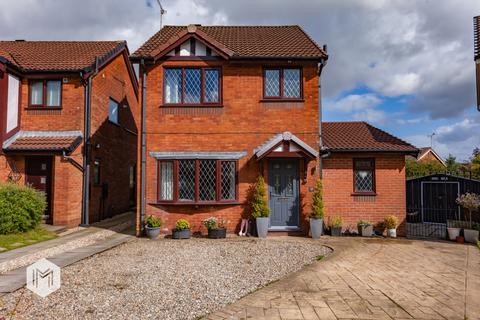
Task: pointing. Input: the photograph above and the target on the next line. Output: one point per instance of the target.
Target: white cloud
(371, 115)
(401, 84)
(355, 102)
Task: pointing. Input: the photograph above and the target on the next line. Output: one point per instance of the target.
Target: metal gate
(432, 207)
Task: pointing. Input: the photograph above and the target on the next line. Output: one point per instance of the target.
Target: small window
(191, 86)
(364, 175)
(46, 93)
(198, 181)
(113, 111)
(282, 83)
(96, 172)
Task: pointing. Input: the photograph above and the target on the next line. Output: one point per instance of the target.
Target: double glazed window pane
(166, 180)
(291, 83)
(186, 180)
(113, 111)
(173, 85)
(212, 77)
(363, 181)
(208, 180)
(272, 83)
(53, 93)
(192, 86)
(36, 93)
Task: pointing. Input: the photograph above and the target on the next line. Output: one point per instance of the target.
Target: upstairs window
(113, 111)
(197, 181)
(282, 83)
(364, 175)
(46, 93)
(191, 86)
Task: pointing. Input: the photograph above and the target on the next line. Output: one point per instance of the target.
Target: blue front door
(283, 193)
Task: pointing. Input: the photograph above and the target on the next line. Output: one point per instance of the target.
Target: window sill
(43, 108)
(281, 100)
(191, 106)
(356, 194)
(195, 204)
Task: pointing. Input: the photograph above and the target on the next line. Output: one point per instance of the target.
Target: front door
(38, 174)
(283, 193)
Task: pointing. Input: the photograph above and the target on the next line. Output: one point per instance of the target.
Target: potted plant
(336, 223)
(216, 228)
(471, 202)
(260, 210)
(182, 229)
(391, 223)
(316, 216)
(454, 231)
(365, 228)
(152, 226)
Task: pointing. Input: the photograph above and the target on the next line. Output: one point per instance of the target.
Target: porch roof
(217, 155)
(43, 141)
(266, 147)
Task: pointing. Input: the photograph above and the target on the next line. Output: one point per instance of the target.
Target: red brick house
(47, 90)
(221, 105)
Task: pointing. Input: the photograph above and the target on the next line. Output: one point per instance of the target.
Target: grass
(320, 257)
(18, 240)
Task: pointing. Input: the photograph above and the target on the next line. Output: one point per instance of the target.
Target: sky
(405, 66)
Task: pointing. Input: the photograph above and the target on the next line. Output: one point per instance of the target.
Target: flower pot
(181, 234)
(262, 227)
(392, 233)
(460, 239)
(336, 231)
(365, 230)
(470, 235)
(152, 233)
(453, 233)
(316, 227)
(218, 233)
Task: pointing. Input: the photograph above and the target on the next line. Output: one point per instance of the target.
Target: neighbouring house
(476, 32)
(47, 91)
(224, 104)
(428, 154)
(363, 173)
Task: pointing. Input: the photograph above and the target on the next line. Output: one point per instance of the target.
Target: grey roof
(285, 136)
(199, 155)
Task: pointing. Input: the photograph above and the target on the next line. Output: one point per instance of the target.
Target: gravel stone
(165, 279)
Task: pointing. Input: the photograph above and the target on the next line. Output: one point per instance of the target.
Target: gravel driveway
(165, 279)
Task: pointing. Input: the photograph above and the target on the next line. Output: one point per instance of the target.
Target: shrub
(21, 208)
(471, 202)
(317, 203)
(391, 222)
(259, 202)
(364, 223)
(335, 222)
(182, 224)
(153, 222)
(210, 223)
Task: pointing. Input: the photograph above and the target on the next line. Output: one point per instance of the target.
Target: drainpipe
(143, 152)
(86, 147)
(324, 153)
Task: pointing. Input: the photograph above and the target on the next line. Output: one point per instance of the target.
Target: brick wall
(390, 189)
(242, 124)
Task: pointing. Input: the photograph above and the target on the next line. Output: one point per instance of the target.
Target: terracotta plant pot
(460, 239)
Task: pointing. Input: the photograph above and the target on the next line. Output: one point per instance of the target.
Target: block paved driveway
(373, 279)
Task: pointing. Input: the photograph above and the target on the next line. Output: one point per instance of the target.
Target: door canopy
(285, 144)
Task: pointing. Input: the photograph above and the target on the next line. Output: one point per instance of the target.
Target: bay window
(197, 181)
(191, 86)
(282, 83)
(364, 176)
(45, 93)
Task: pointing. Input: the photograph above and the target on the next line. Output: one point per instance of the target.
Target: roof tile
(246, 41)
(361, 136)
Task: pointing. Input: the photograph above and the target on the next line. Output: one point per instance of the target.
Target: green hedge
(21, 208)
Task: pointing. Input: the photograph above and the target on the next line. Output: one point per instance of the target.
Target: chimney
(476, 45)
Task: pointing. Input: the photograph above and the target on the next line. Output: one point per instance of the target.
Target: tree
(259, 203)
(453, 167)
(415, 169)
(475, 163)
(317, 203)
